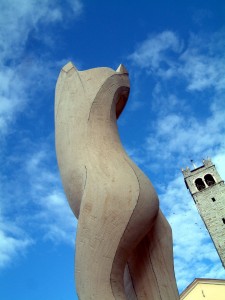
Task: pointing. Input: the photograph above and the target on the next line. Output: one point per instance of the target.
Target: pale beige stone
(123, 243)
(208, 289)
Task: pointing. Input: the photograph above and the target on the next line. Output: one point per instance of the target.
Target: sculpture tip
(68, 67)
(122, 69)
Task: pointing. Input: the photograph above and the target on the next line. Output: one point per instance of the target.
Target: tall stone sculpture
(123, 244)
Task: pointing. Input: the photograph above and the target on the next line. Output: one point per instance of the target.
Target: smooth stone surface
(123, 244)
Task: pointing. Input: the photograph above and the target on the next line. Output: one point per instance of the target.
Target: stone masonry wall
(210, 203)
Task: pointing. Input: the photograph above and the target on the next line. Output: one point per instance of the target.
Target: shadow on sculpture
(124, 243)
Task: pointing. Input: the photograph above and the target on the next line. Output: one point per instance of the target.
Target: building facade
(208, 191)
(200, 289)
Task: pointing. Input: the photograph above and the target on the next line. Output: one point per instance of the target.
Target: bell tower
(208, 191)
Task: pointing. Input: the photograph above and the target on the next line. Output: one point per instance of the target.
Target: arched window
(209, 179)
(199, 184)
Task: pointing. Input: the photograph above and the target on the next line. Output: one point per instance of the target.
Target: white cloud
(219, 160)
(53, 212)
(200, 63)
(177, 136)
(192, 244)
(34, 190)
(152, 52)
(57, 219)
(76, 6)
(136, 156)
(201, 68)
(18, 21)
(178, 133)
(19, 76)
(14, 242)
(189, 113)
(11, 248)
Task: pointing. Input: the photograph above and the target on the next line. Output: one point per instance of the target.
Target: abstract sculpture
(123, 243)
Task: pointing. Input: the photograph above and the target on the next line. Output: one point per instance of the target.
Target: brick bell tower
(208, 191)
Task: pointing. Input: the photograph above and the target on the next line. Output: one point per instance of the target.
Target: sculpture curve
(121, 231)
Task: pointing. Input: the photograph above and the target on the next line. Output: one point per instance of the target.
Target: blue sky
(175, 53)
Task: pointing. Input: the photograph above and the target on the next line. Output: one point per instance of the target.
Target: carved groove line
(127, 222)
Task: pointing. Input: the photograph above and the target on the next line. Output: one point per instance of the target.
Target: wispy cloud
(176, 136)
(176, 131)
(13, 240)
(192, 244)
(200, 62)
(53, 212)
(52, 209)
(19, 22)
(37, 195)
(183, 73)
(152, 52)
(30, 186)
